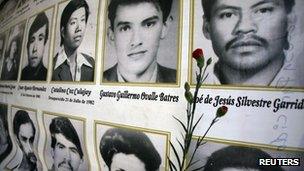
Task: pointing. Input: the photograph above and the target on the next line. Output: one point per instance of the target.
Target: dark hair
(238, 157)
(164, 5)
(117, 140)
(72, 6)
(62, 125)
(40, 21)
(18, 43)
(2, 37)
(22, 117)
(208, 4)
(3, 116)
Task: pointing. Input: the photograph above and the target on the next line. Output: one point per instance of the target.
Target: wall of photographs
(78, 78)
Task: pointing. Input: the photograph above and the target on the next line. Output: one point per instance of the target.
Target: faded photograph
(5, 140)
(217, 156)
(26, 135)
(252, 42)
(7, 8)
(21, 3)
(36, 55)
(75, 41)
(141, 41)
(130, 149)
(12, 54)
(65, 148)
(2, 47)
(2, 44)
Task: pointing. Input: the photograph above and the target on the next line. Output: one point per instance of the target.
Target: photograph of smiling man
(253, 42)
(75, 41)
(36, 56)
(142, 41)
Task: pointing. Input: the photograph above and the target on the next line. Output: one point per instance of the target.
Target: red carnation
(221, 111)
(198, 53)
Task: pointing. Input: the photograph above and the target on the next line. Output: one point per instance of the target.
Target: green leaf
(187, 86)
(189, 97)
(200, 62)
(209, 61)
(176, 154)
(180, 144)
(171, 164)
(183, 125)
(199, 119)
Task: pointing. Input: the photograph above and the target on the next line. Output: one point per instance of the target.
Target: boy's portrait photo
(35, 60)
(75, 41)
(129, 149)
(141, 41)
(253, 43)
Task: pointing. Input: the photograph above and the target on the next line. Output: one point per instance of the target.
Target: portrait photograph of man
(36, 54)
(26, 135)
(65, 148)
(2, 44)
(11, 58)
(223, 156)
(5, 140)
(128, 149)
(141, 41)
(253, 43)
(75, 41)
(2, 47)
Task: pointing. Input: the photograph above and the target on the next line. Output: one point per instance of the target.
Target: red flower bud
(198, 53)
(221, 111)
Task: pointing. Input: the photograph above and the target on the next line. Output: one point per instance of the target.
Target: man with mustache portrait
(69, 64)
(66, 147)
(25, 132)
(37, 38)
(249, 38)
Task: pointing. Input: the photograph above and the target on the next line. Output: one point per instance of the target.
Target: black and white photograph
(26, 135)
(22, 3)
(125, 148)
(2, 47)
(6, 144)
(35, 59)
(75, 41)
(252, 43)
(65, 147)
(12, 54)
(7, 8)
(142, 42)
(223, 155)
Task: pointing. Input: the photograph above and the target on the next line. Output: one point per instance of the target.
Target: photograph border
(144, 84)
(123, 126)
(12, 153)
(38, 127)
(21, 53)
(51, 24)
(250, 144)
(83, 120)
(5, 32)
(96, 49)
(264, 147)
(228, 86)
